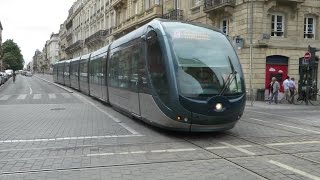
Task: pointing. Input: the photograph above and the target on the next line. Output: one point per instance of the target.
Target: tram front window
(205, 60)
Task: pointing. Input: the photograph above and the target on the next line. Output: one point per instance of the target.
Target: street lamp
(251, 49)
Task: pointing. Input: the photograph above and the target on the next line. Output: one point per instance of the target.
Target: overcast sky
(30, 22)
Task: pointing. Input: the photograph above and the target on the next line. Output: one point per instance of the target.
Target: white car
(28, 73)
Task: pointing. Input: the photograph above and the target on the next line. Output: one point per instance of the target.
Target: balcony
(136, 21)
(176, 14)
(118, 3)
(75, 46)
(291, 1)
(294, 4)
(69, 25)
(214, 5)
(96, 37)
(69, 37)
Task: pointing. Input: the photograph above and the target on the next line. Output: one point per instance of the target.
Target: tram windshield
(204, 60)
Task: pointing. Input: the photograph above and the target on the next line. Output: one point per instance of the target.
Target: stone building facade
(52, 51)
(37, 61)
(1, 64)
(280, 32)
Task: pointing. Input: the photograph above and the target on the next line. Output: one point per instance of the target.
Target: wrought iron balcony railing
(176, 14)
(75, 46)
(99, 35)
(69, 37)
(212, 4)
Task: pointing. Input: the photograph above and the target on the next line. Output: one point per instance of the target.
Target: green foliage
(12, 57)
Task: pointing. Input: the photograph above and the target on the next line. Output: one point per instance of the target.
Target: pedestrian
(292, 88)
(274, 90)
(14, 77)
(286, 87)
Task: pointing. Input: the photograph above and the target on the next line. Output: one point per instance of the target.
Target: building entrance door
(276, 66)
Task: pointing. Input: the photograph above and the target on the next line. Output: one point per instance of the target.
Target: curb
(62, 87)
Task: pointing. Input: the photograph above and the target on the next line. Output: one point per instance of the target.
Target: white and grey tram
(175, 75)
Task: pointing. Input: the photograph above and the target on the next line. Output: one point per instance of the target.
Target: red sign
(307, 56)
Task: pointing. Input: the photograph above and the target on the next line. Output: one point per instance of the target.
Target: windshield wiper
(230, 78)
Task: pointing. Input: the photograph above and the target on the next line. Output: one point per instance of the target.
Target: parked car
(1, 79)
(28, 73)
(4, 77)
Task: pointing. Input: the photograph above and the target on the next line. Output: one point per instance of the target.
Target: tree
(12, 57)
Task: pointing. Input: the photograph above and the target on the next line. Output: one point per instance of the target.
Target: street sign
(307, 56)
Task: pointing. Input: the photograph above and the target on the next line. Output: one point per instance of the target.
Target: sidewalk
(266, 105)
(49, 79)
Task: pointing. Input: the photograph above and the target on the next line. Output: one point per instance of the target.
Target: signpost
(309, 59)
(307, 56)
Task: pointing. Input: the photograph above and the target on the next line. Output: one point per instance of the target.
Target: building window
(195, 3)
(277, 25)
(135, 7)
(147, 4)
(177, 4)
(309, 27)
(225, 26)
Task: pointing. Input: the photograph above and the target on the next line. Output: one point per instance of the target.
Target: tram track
(226, 159)
(293, 118)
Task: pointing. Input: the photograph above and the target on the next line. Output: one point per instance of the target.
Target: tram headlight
(219, 106)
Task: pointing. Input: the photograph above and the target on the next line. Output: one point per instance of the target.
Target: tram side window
(156, 67)
(83, 69)
(66, 70)
(93, 67)
(124, 68)
(103, 69)
(114, 70)
(134, 71)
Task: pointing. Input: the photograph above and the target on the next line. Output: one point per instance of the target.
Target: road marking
(5, 97)
(317, 132)
(144, 152)
(37, 96)
(70, 138)
(22, 96)
(238, 148)
(102, 154)
(297, 171)
(66, 95)
(107, 114)
(227, 147)
(293, 143)
(52, 96)
(138, 152)
(128, 128)
(29, 87)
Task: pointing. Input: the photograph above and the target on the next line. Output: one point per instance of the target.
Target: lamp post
(176, 8)
(251, 49)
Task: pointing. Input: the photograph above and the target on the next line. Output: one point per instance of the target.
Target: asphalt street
(49, 132)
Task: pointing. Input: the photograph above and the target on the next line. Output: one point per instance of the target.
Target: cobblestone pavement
(48, 132)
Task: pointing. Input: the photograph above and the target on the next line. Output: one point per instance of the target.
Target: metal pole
(176, 8)
(162, 8)
(251, 49)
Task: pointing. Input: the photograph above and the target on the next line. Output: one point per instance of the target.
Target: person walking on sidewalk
(274, 90)
(286, 84)
(292, 88)
(14, 77)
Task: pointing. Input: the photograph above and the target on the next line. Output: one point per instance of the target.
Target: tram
(171, 74)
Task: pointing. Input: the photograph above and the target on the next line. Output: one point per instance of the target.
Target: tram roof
(141, 30)
(100, 51)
